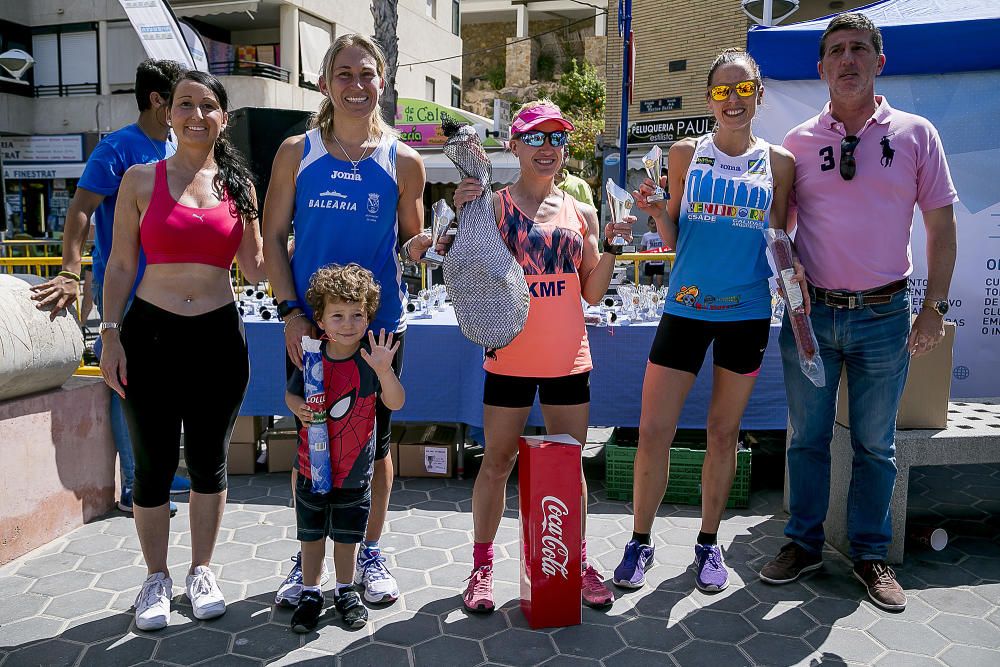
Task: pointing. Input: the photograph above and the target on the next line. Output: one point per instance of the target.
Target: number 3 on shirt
(827, 154)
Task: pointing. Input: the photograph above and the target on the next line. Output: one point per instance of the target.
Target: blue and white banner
(958, 106)
(158, 31)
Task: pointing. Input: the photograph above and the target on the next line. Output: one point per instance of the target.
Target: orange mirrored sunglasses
(743, 89)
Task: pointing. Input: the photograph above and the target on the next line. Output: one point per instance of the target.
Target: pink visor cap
(528, 119)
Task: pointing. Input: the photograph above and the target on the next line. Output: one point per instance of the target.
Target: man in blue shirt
(141, 142)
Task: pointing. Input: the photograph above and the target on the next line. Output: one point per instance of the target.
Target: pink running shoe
(595, 593)
(478, 595)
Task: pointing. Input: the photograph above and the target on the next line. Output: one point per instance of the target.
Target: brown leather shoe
(880, 580)
(790, 562)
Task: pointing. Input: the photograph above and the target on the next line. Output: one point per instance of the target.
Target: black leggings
(190, 370)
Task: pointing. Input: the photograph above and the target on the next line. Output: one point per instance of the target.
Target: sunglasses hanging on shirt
(848, 165)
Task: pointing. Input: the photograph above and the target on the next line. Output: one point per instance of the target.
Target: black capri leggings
(190, 370)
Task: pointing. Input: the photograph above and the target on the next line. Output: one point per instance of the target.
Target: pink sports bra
(172, 233)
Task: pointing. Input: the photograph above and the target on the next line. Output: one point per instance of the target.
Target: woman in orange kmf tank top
(557, 242)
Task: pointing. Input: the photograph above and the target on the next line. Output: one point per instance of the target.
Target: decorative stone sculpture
(36, 352)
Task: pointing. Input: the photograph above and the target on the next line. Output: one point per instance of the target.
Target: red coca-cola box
(551, 513)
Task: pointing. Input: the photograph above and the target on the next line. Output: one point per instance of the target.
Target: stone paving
(69, 602)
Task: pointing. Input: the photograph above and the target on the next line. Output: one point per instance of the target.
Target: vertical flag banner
(158, 30)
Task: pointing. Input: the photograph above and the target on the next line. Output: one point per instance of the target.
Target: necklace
(156, 151)
(354, 163)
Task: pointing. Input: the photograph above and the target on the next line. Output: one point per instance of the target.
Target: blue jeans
(871, 343)
(119, 429)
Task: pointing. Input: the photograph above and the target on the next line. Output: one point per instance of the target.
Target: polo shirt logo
(887, 152)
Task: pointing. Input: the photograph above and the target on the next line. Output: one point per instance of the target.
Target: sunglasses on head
(536, 138)
(848, 165)
(721, 92)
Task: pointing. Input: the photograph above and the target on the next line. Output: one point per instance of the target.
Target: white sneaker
(370, 570)
(290, 590)
(152, 605)
(203, 591)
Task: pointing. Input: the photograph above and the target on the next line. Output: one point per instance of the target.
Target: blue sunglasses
(536, 138)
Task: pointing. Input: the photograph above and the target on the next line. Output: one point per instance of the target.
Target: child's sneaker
(710, 568)
(595, 593)
(478, 596)
(307, 612)
(371, 572)
(631, 572)
(152, 605)
(348, 603)
(291, 588)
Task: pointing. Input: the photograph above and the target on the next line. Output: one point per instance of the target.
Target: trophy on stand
(440, 225)
(651, 161)
(621, 203)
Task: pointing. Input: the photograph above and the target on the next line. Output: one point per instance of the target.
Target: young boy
(344, 300)
(650, 240)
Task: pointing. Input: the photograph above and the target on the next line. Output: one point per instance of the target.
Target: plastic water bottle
(316, 433)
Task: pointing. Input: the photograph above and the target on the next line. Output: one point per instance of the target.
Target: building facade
(267, 52)
(676, 42)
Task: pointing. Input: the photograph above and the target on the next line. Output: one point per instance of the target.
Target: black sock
(641, 538)
(706, 538)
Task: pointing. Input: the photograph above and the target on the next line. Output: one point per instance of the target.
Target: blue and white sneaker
(631, 572)
(179, 485)
(710, 568)
(290, 591)
(371, 572)
(125, 502)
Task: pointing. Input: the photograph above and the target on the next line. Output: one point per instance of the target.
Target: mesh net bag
(484, 281)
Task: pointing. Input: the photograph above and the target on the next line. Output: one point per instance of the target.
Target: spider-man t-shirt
(351, 387)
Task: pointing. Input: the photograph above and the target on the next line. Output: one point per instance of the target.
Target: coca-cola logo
(555, 555)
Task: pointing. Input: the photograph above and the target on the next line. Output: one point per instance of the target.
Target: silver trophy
(440, 224)
(620, 202)
(651, 161)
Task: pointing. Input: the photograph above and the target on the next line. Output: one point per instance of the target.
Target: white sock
(341, 587)
(314, 589)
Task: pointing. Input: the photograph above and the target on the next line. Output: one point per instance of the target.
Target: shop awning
(440, 169)
(43, 171)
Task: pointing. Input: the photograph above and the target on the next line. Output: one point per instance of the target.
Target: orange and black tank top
(553, 342)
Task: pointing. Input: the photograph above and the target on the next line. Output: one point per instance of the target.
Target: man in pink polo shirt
(860, 168)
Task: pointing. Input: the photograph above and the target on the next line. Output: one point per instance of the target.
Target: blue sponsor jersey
(721, 272)
(343, 216)
(103, 175)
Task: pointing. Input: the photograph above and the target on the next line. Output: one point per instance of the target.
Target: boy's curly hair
(350, 283)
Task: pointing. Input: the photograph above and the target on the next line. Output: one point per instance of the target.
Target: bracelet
(405, 252)
(611, 248)
(285, 322)
(70, 275)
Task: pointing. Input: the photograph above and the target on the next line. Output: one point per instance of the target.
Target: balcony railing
(67, 89)
(249, 68)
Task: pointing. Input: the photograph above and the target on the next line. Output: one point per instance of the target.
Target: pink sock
(583, 554)
(482, 554)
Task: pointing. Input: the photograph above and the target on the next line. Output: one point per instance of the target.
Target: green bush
(546, 66)
(497, 75)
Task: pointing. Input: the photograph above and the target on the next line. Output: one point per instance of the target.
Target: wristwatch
(108, 325)
(286, 307)
(611, 248)
(940, 307)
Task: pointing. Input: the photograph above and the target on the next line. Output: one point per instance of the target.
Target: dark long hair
(234, 178)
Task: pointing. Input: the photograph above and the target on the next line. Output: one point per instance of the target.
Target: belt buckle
(851, 301)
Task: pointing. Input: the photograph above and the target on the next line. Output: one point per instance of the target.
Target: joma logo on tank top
(345, 175)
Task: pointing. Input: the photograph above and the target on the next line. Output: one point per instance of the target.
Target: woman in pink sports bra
(556, 241)
(179, 357)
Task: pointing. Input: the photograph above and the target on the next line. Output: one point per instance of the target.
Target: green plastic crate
(684, 485)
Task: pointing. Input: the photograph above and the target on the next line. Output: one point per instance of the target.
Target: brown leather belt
(852, 300)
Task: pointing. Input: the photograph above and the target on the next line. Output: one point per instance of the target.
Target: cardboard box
(426, 460)
(247, 429)
(925, 395)
(282, 450)
(242, 458)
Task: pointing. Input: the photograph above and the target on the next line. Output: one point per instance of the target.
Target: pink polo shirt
(855, 235)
